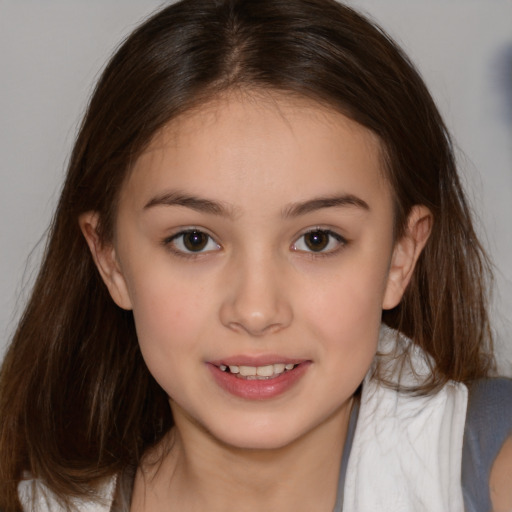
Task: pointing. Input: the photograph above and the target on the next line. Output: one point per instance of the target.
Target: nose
(256, 299)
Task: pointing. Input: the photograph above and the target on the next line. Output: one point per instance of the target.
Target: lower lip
(258, 389)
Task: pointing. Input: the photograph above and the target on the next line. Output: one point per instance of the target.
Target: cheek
(346, 315)
(351, 298)
(169, 316)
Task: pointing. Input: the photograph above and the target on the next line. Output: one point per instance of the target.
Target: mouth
(260, 378)
(266, 372)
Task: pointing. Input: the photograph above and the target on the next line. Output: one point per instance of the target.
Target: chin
(255, 434)
(255, 437)
(259, 442)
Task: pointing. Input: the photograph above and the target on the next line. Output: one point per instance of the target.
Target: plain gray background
(52, 51)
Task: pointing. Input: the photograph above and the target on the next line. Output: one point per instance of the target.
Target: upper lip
(260, 360)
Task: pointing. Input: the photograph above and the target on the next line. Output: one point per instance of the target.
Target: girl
(262, 288)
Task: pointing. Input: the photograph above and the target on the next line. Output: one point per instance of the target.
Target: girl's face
(254, 245)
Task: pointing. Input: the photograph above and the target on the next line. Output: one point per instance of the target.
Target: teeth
(279, 367)
(246, 371)
(267, 371)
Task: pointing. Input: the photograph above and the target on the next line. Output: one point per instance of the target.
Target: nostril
(256, 310)
(255, 330)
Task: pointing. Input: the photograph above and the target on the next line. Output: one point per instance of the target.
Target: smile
(269, 371)
(255, 381)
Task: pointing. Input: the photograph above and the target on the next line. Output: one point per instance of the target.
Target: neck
(197, 472)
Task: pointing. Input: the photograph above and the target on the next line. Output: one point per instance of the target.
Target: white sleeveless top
(35, 497)
(406, 453)
(407, 450)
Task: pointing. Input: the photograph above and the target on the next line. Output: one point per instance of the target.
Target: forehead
(267, 146)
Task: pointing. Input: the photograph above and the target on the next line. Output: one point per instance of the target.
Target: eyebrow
(298, 209)
(176, 198)
(199, 204)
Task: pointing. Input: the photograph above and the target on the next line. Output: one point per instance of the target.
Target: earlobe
(104, 256)
(406, 253)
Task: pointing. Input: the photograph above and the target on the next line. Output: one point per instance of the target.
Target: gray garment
(346, 451)
(488, 424)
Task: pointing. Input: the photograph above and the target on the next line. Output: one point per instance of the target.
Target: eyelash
(183, 252)
(340, 243)
(170, 242)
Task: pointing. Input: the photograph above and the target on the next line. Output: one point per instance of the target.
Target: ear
(104, 255)
(406, 253)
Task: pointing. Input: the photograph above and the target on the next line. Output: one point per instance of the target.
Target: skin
(501, 479)
(256, 289)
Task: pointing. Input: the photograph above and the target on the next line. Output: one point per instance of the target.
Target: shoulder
(500, 481)
(487, 453)
(487, 395)
(35, 496)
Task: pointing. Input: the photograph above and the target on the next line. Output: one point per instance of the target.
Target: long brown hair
(77, 403)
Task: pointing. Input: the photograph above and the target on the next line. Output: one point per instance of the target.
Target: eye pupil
(317, 240)
(195, 240)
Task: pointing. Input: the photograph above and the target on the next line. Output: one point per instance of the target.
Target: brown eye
(195, 241)
(192, 242)
(320, 241)
(317, 240)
